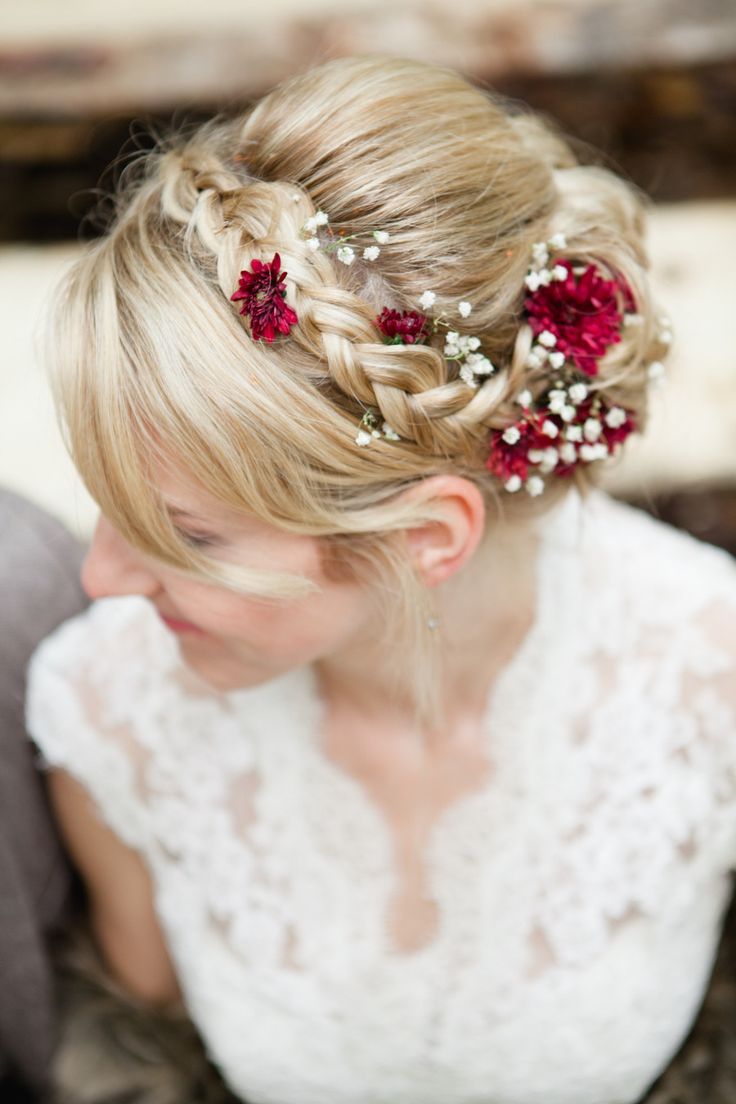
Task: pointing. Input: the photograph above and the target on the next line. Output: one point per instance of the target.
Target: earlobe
(441, 546)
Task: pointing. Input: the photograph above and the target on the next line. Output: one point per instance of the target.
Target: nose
(112, 567)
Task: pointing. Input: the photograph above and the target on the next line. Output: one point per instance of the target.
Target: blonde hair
(149, 353)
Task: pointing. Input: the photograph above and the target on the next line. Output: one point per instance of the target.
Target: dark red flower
(402, 328)
(505, 459)
(264, 296)
(582, 312)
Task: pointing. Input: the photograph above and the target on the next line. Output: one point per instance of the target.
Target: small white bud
(535, 485)
(371, 253)
(524, 398)
(511, 435)
(568, 413)
(656, 370)
(568, 452)
(549, 429)
(473, 343)
(465, 308)
(578, 393)
(535, 358)
(513, 484)
(540, 253)
(389, 433)
(557, 241)
(381, 236)
(547, 338)
(535, 456)
(556, 359)
(549, 460)
(313, 244)
(598, 451)
(346, 254)
(616, 417)
(467, 376)
(363, 438)
(427, 300)
(592, 429)
(532, 281)
(574, 433)
(559, 272)
(321, 219)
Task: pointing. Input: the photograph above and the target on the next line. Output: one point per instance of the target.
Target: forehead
(184, 497)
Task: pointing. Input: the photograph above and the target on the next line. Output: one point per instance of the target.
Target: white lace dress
(580, 893)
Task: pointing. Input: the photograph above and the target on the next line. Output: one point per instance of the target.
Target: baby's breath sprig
(371, 427)
(345, 253)
(460, 348)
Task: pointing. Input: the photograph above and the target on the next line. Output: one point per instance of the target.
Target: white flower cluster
(543, 351)
(346, 254)
(464, 350)
(539, 275)
(461, 348)
(572, 443)
(656, 371)
(369, 430)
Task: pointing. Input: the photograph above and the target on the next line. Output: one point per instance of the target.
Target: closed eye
(199, 540)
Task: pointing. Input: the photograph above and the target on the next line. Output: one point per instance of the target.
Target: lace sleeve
(79, 718)
(709, 694)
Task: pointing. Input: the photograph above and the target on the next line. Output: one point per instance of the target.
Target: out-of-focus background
(651, 83)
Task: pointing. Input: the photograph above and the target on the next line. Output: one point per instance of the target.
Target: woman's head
(154, 362)
(239, 640)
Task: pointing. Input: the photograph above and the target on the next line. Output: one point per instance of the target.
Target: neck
(484, 611)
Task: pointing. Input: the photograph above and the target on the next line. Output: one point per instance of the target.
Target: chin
(223, 680)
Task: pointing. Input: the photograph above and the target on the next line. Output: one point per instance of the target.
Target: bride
(391, 746)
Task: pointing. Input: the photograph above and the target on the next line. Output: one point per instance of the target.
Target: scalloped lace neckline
(518, 687)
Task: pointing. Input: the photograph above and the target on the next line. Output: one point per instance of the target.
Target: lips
(179, 626)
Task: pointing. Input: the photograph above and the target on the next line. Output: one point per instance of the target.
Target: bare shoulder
(120, 894)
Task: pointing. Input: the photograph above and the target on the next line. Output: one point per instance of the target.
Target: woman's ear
(440, 547)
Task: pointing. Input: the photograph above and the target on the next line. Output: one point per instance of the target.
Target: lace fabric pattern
(579, 893)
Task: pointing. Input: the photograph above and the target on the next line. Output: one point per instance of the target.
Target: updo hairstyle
(151, 357)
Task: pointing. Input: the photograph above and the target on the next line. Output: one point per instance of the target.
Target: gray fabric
(39, 588)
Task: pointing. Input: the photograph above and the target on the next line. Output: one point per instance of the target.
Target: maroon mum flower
(582, 312)
(402, 328)
(509, 458)
(264, 296)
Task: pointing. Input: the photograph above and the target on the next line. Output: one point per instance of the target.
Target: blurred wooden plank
(691, 439)
(91, 61)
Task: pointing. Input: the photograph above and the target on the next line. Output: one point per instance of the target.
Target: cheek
(289, 631)
(298, 630)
